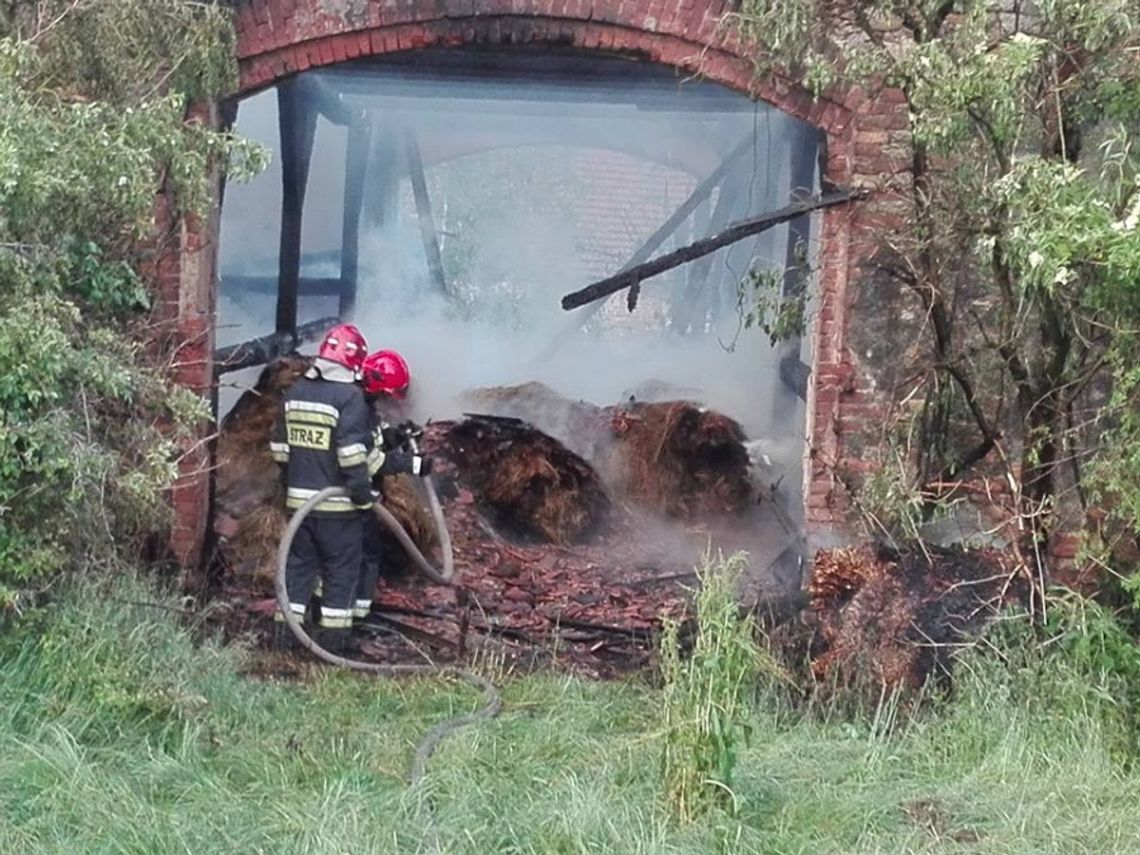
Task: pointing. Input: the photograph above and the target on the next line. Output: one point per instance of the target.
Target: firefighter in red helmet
(323, 438)
(386, 374)
(386, 380)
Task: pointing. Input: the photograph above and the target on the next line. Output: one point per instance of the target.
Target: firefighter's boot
(338, 640)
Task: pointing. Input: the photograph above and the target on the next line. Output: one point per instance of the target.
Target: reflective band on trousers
(296, 608)
(336, 618)
(361, 608)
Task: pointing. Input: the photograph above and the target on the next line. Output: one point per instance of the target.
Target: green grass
(119, 735)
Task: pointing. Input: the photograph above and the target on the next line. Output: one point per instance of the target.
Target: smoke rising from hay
(535, 193)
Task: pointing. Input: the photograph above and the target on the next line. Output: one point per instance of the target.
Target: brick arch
(279, 38)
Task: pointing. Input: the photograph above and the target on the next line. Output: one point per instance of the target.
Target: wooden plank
(424, 214)
(297, 126)
(355, 172)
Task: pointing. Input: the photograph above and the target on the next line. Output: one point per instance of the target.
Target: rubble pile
(898, 618)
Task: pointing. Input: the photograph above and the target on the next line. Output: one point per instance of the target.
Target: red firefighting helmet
(386, 373)
(344, 345)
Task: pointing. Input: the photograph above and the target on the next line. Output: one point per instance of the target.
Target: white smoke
(513, 245)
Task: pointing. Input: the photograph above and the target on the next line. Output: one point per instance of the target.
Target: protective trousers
(331, 544)
(373, 556)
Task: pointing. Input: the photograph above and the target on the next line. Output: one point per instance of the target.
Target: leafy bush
(89, 136)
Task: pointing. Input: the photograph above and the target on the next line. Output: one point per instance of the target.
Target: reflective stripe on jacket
(322, 435)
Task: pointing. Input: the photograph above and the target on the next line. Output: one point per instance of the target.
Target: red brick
(895, 120)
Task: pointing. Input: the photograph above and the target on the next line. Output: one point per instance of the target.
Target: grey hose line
(427, 745)
(441, 575)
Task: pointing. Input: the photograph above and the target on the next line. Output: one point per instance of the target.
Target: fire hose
(493, 701)
(441, 575)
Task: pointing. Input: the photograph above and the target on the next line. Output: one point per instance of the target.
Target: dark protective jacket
(323, 435)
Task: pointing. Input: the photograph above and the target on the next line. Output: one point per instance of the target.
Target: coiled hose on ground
(433, 737)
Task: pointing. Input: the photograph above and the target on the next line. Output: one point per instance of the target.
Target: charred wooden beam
(794, 374)
(260, 351)
(802, 164)
(746, 228)
(678, 304)
(355, 172)
(383, 181)
(424, 214)
(297, 126)
(802, 156)
(327, 101)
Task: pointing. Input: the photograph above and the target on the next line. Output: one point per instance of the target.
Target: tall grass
(119, 735)
(707, 694)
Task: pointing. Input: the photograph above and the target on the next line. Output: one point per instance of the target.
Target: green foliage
(116, 725)
(1079, 662)
(93, 107)
(706, 695)
(778, 317)
(1022, 249)
(127, 51)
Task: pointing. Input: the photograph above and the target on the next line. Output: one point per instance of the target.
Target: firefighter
(323, 438)
(386, 380)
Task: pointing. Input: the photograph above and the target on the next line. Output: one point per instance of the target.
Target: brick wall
(183, 337)
(277, 38)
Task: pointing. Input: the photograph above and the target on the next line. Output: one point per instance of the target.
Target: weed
(706, 694)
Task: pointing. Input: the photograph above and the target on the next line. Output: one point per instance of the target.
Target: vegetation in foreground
(119, 734)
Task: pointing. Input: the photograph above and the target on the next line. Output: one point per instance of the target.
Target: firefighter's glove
(362, 497)
(422, 465)
(410, 430)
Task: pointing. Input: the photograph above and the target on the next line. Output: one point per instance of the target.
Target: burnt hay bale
(533, 484)
(679, 459)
